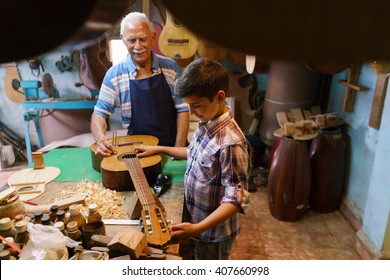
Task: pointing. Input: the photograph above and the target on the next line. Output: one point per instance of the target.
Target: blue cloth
(153, 109)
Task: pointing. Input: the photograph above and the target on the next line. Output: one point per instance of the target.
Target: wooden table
(172, 201)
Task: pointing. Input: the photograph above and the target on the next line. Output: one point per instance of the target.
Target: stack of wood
(304, 124)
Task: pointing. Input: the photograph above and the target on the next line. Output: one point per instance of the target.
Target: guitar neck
(154, 222)
(139, 180)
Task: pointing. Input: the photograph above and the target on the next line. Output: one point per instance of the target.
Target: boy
(218, 163)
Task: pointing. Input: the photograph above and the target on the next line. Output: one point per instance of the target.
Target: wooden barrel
(289, 180)
(290, 85)
(327, 159)
(273, 149)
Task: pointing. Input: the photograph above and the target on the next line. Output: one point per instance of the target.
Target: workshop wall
(56, 125)
(367, 187)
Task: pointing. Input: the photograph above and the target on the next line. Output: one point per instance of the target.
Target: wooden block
(315, 110)
(307, 126)
(320, 120)
(290, 117)
(350, 93)
(289, 129)
(307, 114)
(172, 249)
(151, 250)
(354, 87)
(282, 118)
(173, 257)
(298, 130)
(4, 195)
(297, 113)
(38, 160)
(379, 100)
(101, 240)
(331, 120)
(135, 207)
(129, 241)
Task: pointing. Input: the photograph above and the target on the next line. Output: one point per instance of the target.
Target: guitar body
(30, 182)
(211, 50)
(11, 73)
(153, 217)
(94, 65)
(176, 41)
(115, 175)
(157, 28)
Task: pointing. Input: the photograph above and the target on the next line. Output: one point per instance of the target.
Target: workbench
(75, 165)
(172, 201)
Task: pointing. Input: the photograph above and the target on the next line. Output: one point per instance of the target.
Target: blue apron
(153, 110)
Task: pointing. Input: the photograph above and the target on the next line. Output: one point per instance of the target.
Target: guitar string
(131, 164)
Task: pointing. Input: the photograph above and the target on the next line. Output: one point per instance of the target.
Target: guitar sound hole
(26, 189)
(122, 157)
(176, 22)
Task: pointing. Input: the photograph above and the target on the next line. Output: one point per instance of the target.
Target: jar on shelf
(76, 215)
(73, 231)
(61, 227)
(53, 213)
(6, 228)
(38, 217)
(46, 220)
(61, 217)
(22, 235)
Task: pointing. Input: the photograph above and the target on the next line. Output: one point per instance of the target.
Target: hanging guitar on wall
(94, 65)
(153, 217)
(177, 42)
(211, 50)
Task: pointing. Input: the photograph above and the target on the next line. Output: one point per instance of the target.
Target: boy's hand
(145, 150)
(183, 230)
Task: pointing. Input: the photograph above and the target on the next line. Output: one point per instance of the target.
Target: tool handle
(62, 204)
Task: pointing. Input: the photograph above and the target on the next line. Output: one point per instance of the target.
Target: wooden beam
(350, 93)
(145, 6)
(379, 100)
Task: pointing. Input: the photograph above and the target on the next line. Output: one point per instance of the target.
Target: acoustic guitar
(115, 175)
(157, 28)
(176, 41)
(94, 65)
(153, 217)
(211, 50)
(12, 75)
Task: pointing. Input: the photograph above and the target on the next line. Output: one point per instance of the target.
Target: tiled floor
(314, 237)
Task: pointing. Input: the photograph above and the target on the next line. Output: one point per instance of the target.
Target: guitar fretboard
(139, 179)
(154, 222)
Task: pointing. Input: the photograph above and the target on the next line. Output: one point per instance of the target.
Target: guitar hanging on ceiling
(115, 175)
(211, 50)
(176, 41)
(153, 217)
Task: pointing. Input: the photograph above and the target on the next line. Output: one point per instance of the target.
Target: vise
(32, 90)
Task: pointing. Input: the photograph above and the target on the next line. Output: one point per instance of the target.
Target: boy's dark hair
(203, 78)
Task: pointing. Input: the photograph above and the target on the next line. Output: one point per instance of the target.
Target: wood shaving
(108, 201)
